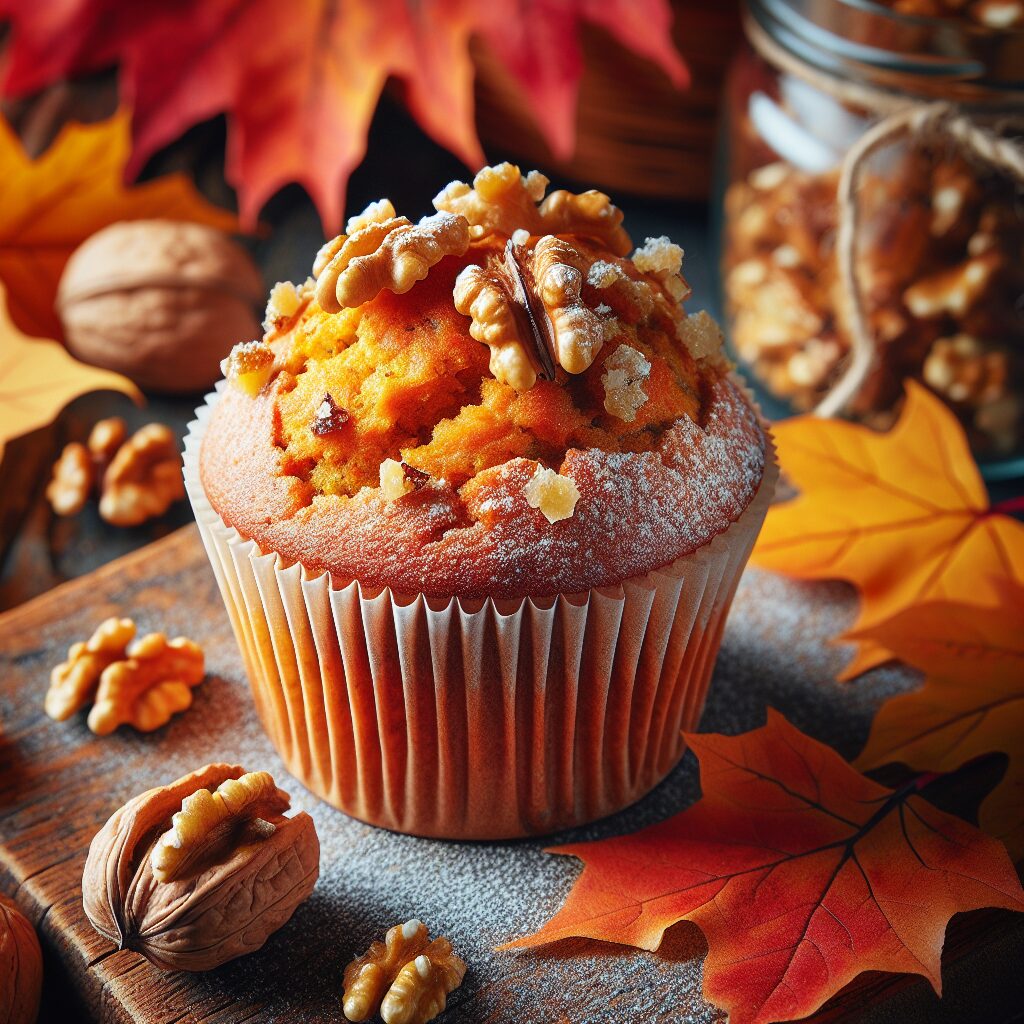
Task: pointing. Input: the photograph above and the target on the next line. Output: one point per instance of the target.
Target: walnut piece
(249, 366)
(578, 331)
(406, 978)
(151, 684)
(526, 306)
(368, 977)
(72, 482)
(143, 684)
(502, 201)
(625, 371)
(421, 990)
(144, 479)
(553, 494)
(953, 291)
(392, 254)
(74, 682)
(136, 479)
(206, 818)
(80, 468)
(481, 296)
(21, 966)
(237, 884)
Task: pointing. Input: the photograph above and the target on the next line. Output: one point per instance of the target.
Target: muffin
(478, 503)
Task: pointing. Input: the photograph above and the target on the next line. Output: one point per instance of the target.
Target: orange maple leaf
(38, 378)
(800, 872)
(904, 516)
(300, 81)
(54, 203)
(972, 702)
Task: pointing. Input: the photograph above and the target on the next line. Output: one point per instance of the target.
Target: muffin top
(495, 401)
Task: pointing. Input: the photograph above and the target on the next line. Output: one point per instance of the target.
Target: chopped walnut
(151, 684)
(73, 478)
(421, 990)
(553, 494)
(73, 683)
(480, 295)
(577, 330)
(249, 366)
(80, 468)
(375, 213)
(211, 821)
(591, 214)
(953, 291)
(392, 254)
(938, 247)
(105, 438)
(328, 418)
(625, 371)
(144, 479)
(399, 478)
(502, 201)
(368, 977)
(967, 370)
(527, 307)
(406, 978)
(284, 305)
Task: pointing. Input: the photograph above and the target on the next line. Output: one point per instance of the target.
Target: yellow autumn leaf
(38, 378)
(903, 516)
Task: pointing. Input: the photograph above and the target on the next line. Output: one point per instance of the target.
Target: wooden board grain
(58, 783)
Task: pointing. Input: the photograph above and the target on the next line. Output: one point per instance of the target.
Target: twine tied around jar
(901, 117)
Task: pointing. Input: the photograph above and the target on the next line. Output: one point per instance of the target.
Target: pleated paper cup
(475, 719)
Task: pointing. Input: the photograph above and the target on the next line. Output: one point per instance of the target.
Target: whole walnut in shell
(160, 301)
(21, 966)
(200, 871)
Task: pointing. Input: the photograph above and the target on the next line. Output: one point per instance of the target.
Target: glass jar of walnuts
(872, 213)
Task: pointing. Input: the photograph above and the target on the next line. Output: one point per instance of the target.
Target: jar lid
(861, 40)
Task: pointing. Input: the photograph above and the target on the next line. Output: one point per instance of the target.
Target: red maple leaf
(300, 81)
(801, 873)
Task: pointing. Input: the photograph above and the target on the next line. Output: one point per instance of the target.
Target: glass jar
(932, 242)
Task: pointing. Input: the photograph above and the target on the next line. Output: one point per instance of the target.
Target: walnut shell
(21, 966)
(160, 301)
(225, 906)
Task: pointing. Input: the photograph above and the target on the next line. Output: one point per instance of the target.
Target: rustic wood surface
(58, 783)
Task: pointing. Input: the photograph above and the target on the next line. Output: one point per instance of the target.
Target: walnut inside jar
(940, 256)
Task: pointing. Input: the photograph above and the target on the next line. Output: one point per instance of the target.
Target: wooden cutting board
(59, 783)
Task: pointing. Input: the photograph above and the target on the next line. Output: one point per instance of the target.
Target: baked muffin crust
(654, 436)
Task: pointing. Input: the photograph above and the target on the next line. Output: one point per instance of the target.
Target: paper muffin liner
(475, 719)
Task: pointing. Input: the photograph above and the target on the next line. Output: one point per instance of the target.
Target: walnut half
(406, 978)
(525, 306)
(231, 869)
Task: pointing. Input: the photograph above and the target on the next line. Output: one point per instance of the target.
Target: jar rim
(869, 42)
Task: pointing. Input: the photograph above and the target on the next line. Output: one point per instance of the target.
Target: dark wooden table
(57, 782)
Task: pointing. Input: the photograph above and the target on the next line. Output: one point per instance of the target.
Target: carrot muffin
(498, 422)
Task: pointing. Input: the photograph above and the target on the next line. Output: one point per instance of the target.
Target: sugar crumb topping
(658, 254)
(554, 495)
(625, 371)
